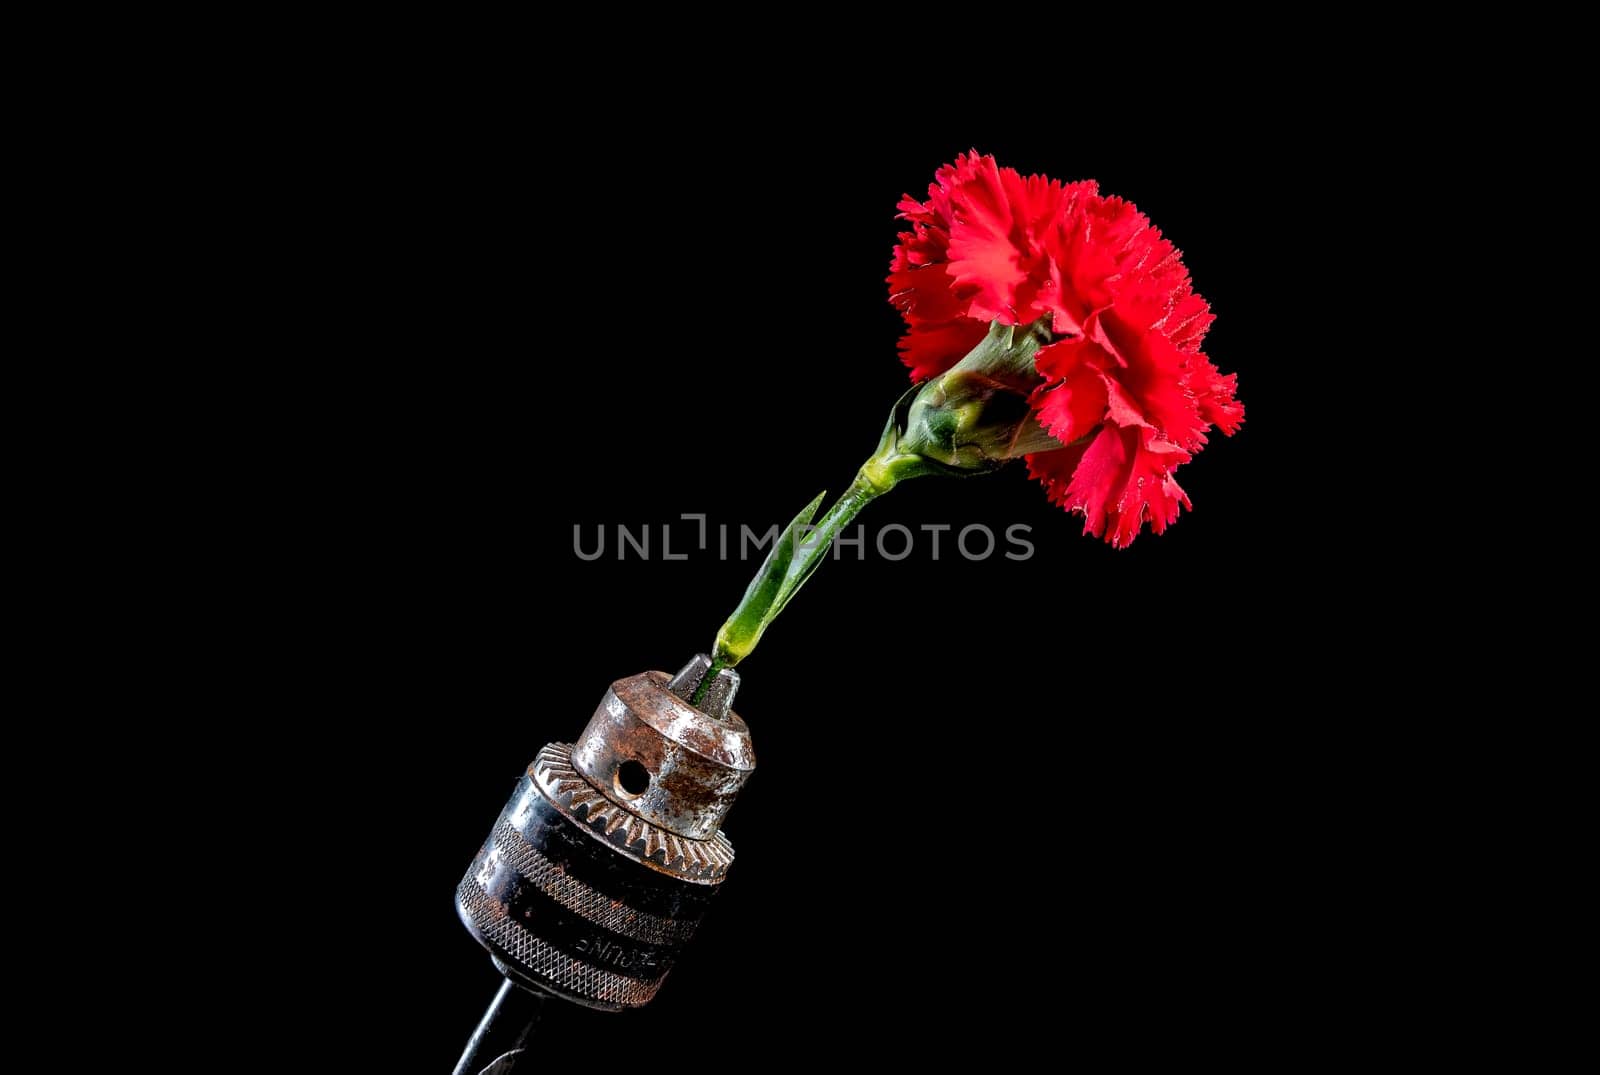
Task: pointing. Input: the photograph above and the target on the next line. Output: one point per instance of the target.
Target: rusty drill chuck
(609, 852)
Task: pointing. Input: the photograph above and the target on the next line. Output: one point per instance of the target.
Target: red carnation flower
(1123, 384)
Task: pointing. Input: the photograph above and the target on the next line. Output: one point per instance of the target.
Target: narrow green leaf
(766, 593)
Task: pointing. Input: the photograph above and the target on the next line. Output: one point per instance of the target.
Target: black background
(999, 803)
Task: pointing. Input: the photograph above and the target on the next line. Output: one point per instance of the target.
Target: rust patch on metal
(693, 764)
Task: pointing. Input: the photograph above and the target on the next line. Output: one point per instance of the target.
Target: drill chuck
(610, 850)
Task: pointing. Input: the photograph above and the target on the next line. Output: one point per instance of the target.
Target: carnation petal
(1073, 400)
(929, 350)
(925, 295)
(1214, 393)
(1118, 481)
(984, 252)
(1150, 377)
(1054, 469)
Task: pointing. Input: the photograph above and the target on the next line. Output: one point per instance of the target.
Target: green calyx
(975, 416)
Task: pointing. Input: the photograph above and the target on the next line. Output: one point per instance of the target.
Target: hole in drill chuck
(633, 779)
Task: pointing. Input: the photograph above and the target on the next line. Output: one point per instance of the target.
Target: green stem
(797, 554)
(969, 420)
(717, 665)
(817, 547)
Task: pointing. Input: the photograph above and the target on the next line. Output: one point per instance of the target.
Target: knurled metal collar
(700, 861)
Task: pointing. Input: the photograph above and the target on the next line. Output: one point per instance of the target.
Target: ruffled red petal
(1118, 481)
(1073, 399)
(1147, 382)
(929, 350)
(1214, 393)
(1054, 470)
(924, 295)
